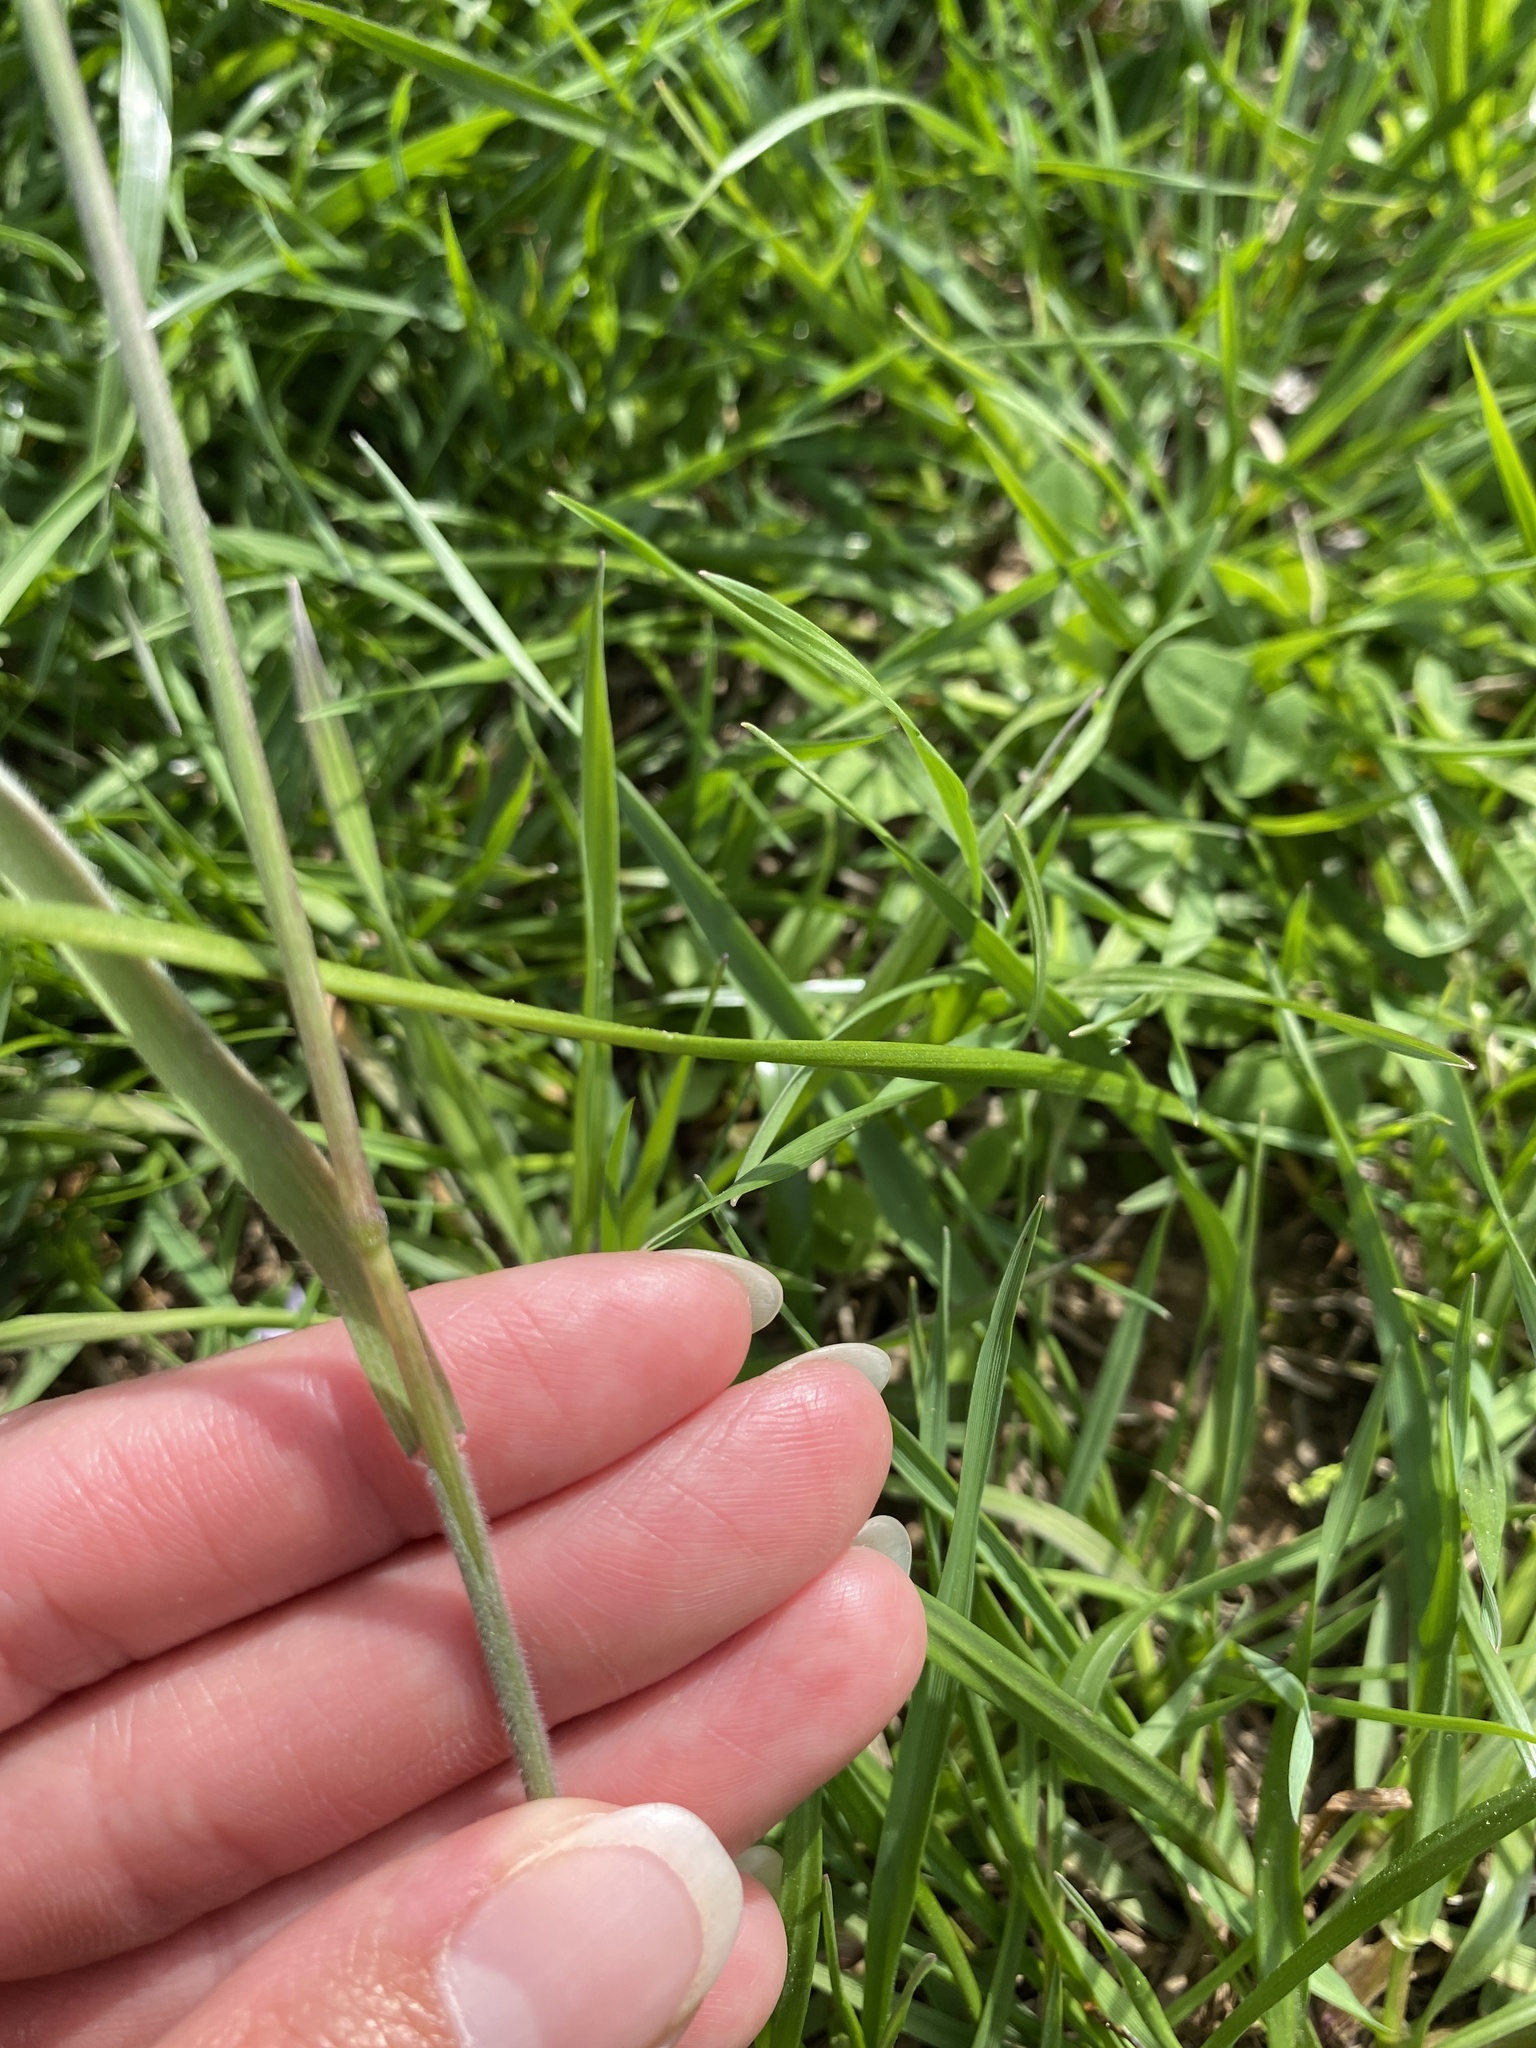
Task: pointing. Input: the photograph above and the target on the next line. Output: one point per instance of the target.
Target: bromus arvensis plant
(1114, 418)
(329, 1209)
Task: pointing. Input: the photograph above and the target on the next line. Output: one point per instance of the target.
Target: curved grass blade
(800, 1908)
(915, 1782)
(793, 119)
(807, 646)
(34, 549)
(1389, 1888)
(492, 84)
(1087, 1747)
(64, 923)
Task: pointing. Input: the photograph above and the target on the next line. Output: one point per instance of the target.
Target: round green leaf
(1196, 690)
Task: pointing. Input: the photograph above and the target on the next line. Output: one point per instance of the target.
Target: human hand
(253, 1790)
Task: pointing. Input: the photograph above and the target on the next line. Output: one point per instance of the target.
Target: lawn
(1045, 497)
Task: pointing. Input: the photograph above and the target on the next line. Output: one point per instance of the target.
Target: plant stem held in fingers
(361, 1273)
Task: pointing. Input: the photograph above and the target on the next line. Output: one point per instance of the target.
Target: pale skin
(252, 1776)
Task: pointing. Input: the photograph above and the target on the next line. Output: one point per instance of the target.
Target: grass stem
(370, 1293)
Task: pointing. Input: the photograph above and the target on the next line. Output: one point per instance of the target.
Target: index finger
(142, 1515)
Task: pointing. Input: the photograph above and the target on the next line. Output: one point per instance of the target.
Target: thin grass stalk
(371, 1295)
(73, 922)
(448, 1084)
(601, 921)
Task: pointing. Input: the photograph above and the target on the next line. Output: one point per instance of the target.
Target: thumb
(560, 1924)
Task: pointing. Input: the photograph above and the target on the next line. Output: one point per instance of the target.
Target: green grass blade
(475, 79)
(982, 1418)
(1036, 921)
(222, 1098)
(601, 926)
(807, 647)
(967, 1064)
(30, 553)
(1519, 493)
(1153, 2028)
(1385, 1891)
(443, 1074)
(914, 1786)
(365, 1279)
(23, 1333)
(1114, 1379)
(337, 768)
(800, 1906)
(1087, 1748)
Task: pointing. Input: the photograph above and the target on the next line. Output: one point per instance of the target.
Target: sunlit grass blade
(491, 84)
(808, 647)
(914, 1786)
(1088, 1748)
(142, 938)
(440, 1071)
(1514, 478)
(1384, 1892)
(601, 925)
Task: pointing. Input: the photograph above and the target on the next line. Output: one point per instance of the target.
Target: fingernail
(885, 1534)
(613, 1933)
(868, 1359)
(763, 1291)
(763, 1862)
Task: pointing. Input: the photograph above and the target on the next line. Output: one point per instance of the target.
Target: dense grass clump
(926, 628)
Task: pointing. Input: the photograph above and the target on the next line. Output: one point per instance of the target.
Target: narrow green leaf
(800, 1909)
(790, 122)
(336, 763)
(915, 1782)
(39, 247)
(600, 927)
(106, 931)
(1114, 1378)
(105, 1326)
(808, 646)
(1376, 1897)
(34, 550)
(476, 79)
(1148, 979)
(1036, 919)
(444, 1078)
(220, 1096)
(1329, 414)
(1153, 2028)
(1088, 1749)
